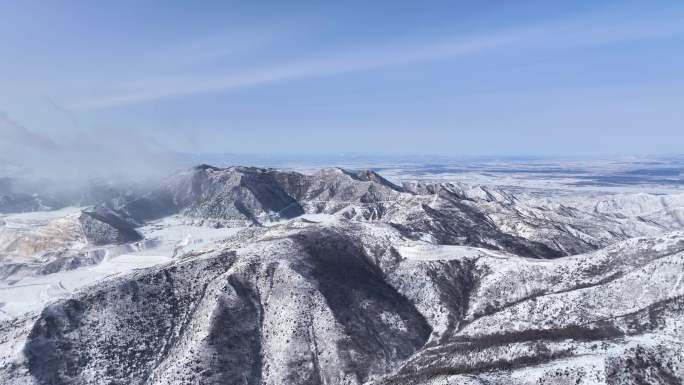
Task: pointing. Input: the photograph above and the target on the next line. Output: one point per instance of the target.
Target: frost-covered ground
(254, 276)
(164, 239)
(32, 293)
(633, 175)
(175, 235)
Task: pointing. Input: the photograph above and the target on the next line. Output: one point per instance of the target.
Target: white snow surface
(319, 292)
(164, 239)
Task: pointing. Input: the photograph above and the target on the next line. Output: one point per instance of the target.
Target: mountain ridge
(341, 277)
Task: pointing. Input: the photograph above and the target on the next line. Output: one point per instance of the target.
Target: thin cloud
(62, 110)
(73, 159)
(16, 137)
(552, 36)
(319, 67)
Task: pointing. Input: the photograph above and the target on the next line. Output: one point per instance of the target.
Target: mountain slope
(320, 304)
(446, 213)
(342, 277)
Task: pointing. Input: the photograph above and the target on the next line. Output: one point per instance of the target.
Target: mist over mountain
(67, 163)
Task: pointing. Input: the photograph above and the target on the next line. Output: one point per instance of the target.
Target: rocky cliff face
(375, 284)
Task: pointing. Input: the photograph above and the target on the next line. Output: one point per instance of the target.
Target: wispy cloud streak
(557, 36)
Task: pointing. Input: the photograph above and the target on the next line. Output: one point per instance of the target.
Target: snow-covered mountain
(341, 277)
(450, 213)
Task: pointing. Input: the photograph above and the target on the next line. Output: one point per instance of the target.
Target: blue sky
(451, 78)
